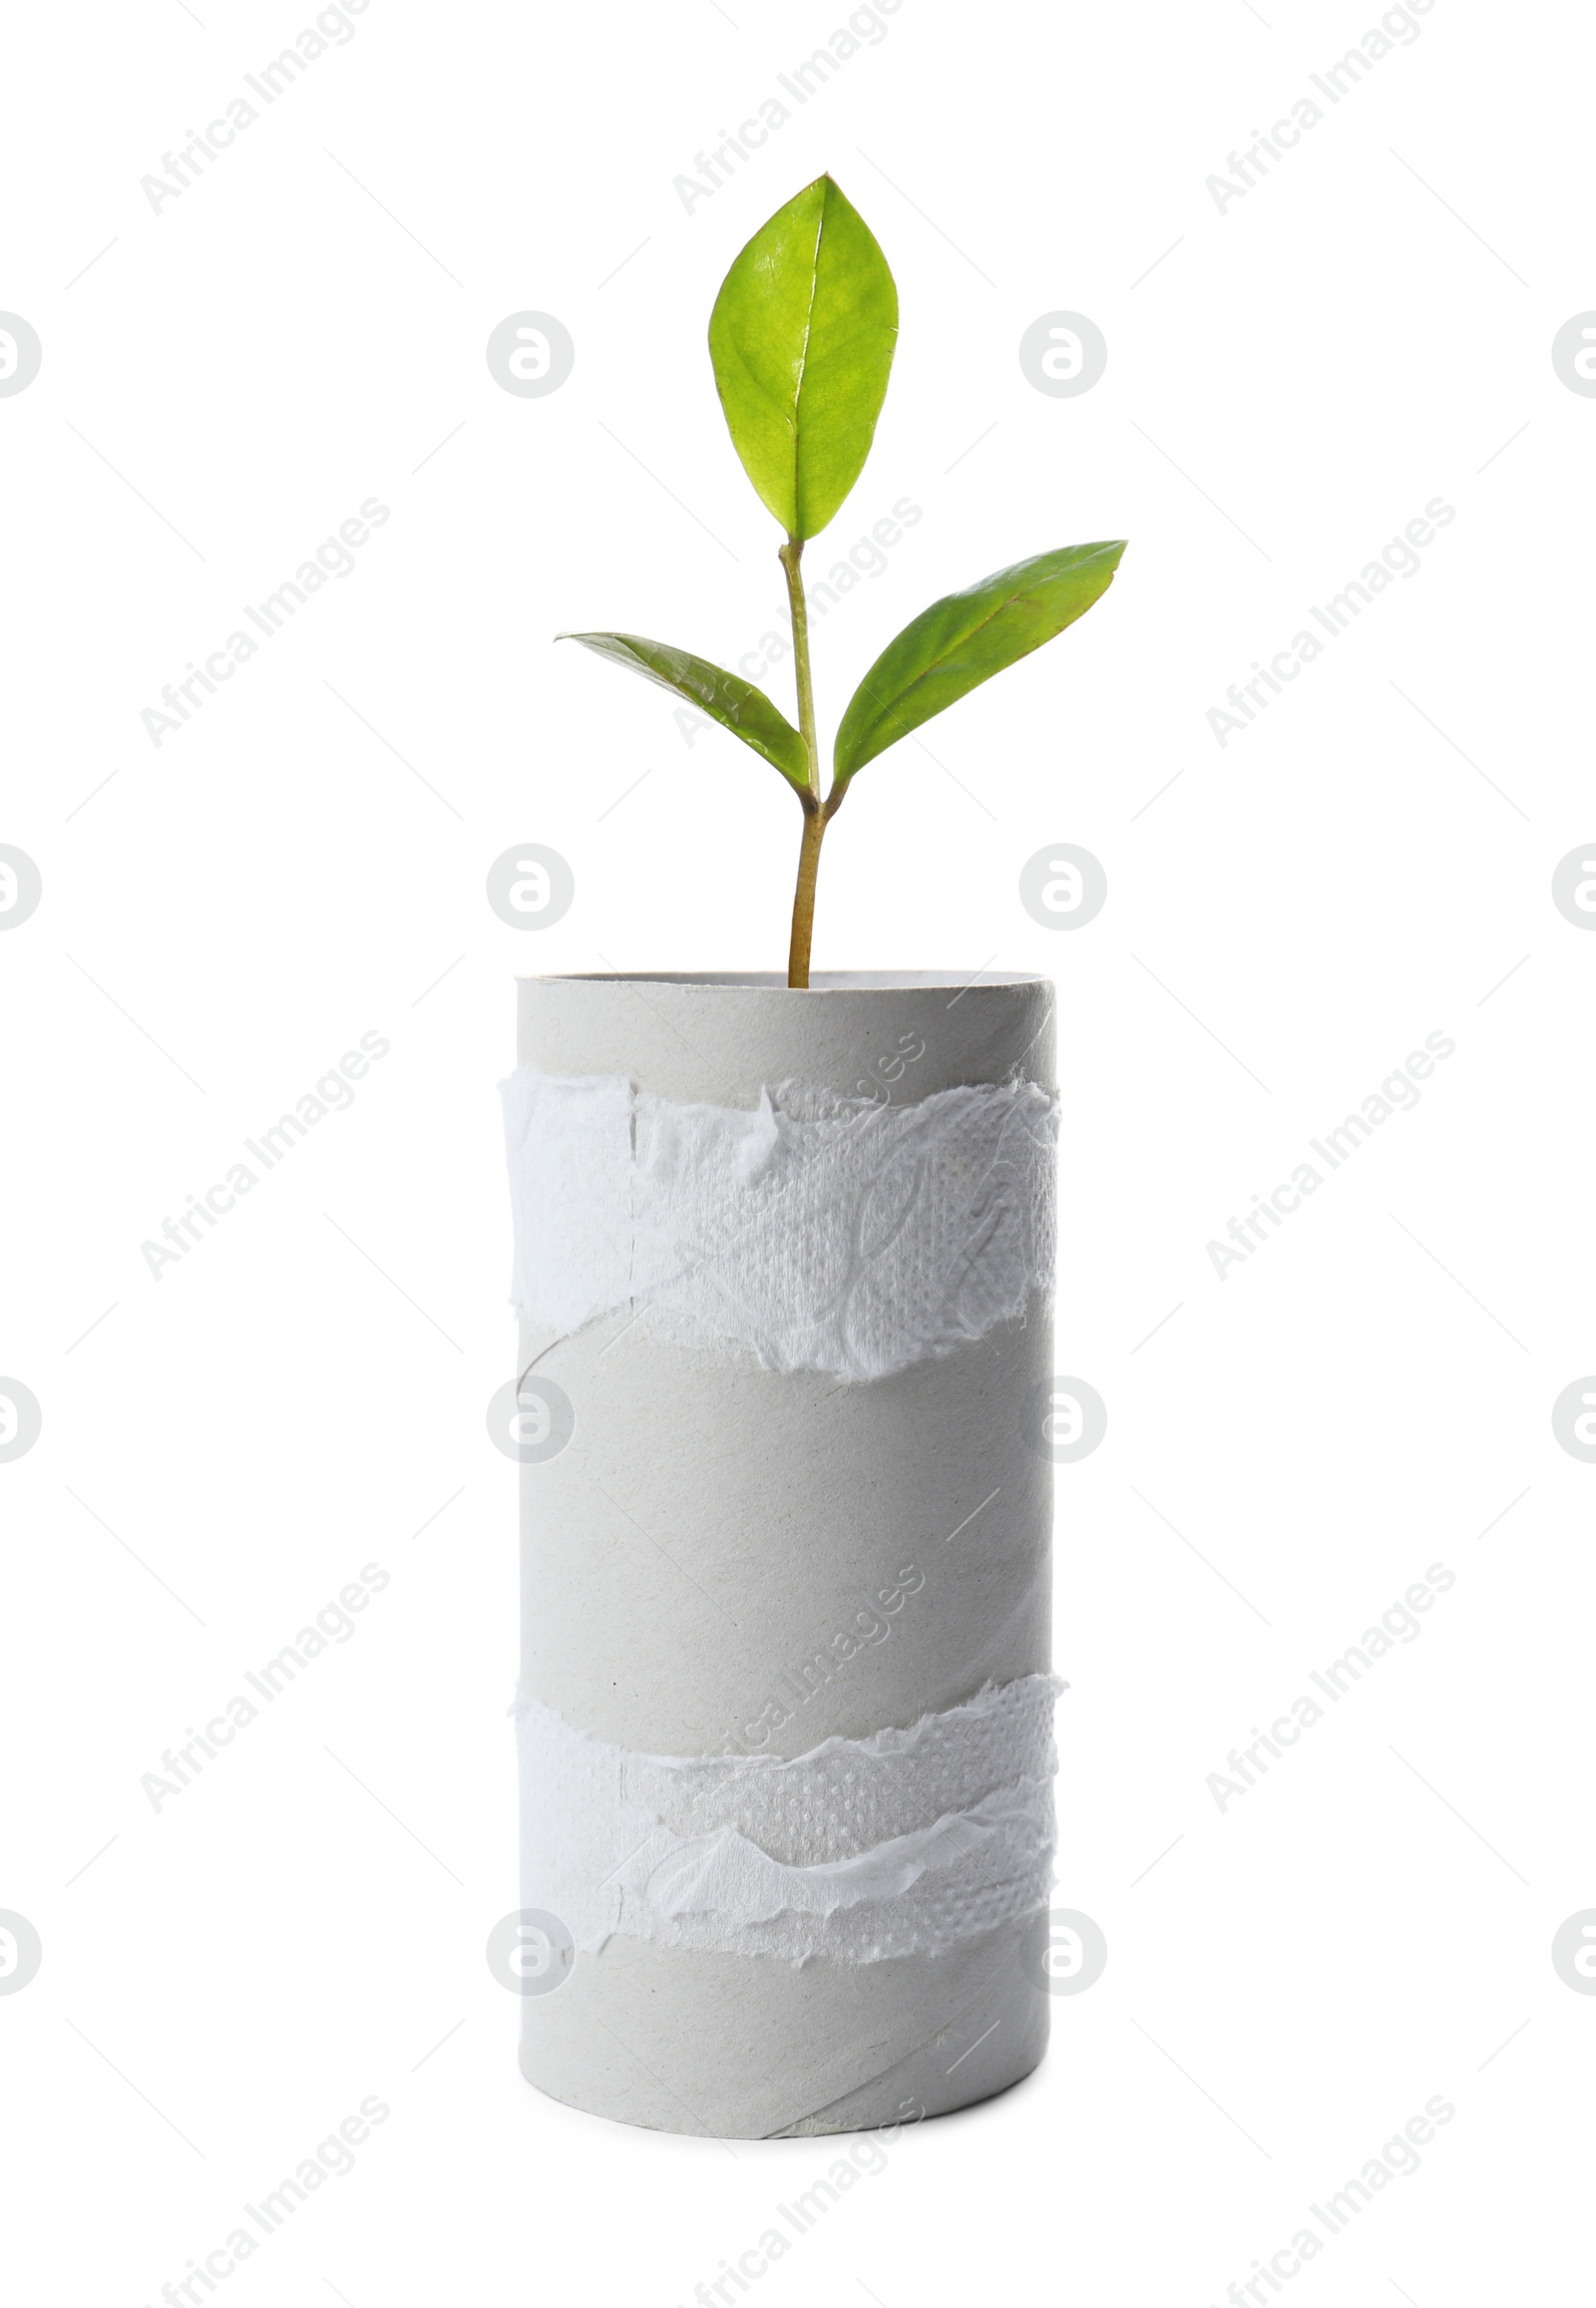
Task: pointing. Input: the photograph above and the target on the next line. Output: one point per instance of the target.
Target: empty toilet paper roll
(785, 1712)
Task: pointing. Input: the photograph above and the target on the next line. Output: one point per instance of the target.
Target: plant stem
(803, 905)
(790, 556)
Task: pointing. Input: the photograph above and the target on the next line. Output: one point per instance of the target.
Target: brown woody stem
(803, 903)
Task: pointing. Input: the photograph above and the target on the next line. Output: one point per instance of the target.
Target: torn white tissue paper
(907, 1842)
(818, 1233)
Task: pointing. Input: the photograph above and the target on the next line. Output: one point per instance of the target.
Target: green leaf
(737, 705)
(802, 338)
(963, 640)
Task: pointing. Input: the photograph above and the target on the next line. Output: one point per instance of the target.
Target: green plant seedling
(801, 340)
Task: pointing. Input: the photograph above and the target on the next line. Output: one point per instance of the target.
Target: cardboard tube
(690, 1555)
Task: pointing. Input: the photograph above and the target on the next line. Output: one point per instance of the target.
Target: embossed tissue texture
(817, 1232)
(907, 1843)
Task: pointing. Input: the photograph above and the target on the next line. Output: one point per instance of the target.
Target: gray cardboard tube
(710, 1525)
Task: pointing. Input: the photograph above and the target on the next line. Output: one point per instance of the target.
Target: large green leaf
(963, 640)
(802, 340)
(737, 705)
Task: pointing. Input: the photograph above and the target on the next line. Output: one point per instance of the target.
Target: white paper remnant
(907, 1843)
(817, 1231)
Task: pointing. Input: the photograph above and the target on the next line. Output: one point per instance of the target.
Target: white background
(225, 1447)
